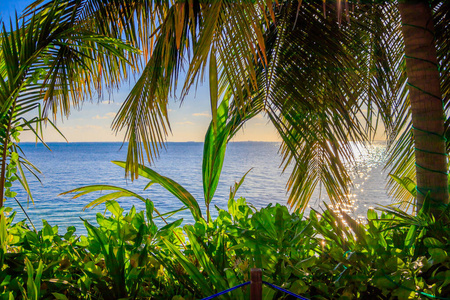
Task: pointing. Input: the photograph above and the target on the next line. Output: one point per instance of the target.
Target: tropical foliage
(125, 255)
(216, 140)
(325, 74)
(49, 64)
(256, 53)
(332, 71)
(326, 256)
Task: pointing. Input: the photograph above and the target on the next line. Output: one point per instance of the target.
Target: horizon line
(118, 142)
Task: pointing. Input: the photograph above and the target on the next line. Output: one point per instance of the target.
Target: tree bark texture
(426, 103)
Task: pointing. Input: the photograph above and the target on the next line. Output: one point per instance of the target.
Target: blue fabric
(226, 291)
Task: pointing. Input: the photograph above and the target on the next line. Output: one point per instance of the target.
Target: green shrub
(325, 256)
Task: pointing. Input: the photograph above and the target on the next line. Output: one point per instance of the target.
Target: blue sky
(93, 122)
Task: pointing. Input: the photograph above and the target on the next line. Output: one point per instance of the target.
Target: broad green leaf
(232, 282)
(371, 214)
(383, 281)
(173, 187)
(406, 291)
(149, 210)
(411, 238)
(3, 232)
(433, 243)
(394, 263)
(59, 296)
(91, 267)
(438, 255)
(214, 152)
(98, 236)
(307, 263)
(169, 227)
(299, 287)
(446, 276)
(114, 208)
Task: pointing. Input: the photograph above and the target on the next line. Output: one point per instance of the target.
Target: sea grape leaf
(432, 243)
(438, 255)
(114, 208)
(59, 296)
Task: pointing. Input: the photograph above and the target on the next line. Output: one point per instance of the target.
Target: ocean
(71, 165)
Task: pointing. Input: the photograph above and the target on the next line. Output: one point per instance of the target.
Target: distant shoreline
(115, 142)
(190, 142)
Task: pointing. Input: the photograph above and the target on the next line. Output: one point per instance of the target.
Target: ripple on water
(69, 166)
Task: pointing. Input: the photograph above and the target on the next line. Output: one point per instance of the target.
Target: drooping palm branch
(342, 92)
(311, 74)
(324, 89)
(47, 61)
(376, 45)
(189, 34)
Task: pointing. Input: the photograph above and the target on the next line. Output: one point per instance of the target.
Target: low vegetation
(323, 256)
(60, 52)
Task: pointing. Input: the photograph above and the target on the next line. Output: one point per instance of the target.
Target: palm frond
(310, 89)
(188, 33)
(46, 59)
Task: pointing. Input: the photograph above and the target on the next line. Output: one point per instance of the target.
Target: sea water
(71, 165)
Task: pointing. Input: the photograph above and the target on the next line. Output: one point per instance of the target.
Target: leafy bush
(326, 256)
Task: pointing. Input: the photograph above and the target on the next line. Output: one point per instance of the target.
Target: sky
(92, 123)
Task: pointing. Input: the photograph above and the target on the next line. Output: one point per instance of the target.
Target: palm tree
(230, 40)
(48, 64)
(427, 106)
(324, 75)
(381, 49)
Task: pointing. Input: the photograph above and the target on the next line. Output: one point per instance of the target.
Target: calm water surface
(73, 165)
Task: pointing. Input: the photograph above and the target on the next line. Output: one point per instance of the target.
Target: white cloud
(202, 114)
(109, 115)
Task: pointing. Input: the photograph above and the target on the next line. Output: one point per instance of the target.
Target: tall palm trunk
(426, 103)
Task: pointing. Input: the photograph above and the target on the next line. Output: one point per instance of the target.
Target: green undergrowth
(322, 256)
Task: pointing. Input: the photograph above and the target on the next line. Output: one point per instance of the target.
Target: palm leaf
(49, 59)
(173, 187)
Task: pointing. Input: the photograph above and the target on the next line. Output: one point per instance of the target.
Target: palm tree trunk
(426, 103)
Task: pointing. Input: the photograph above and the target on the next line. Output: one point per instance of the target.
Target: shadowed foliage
(50, 64)
(325, 74)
